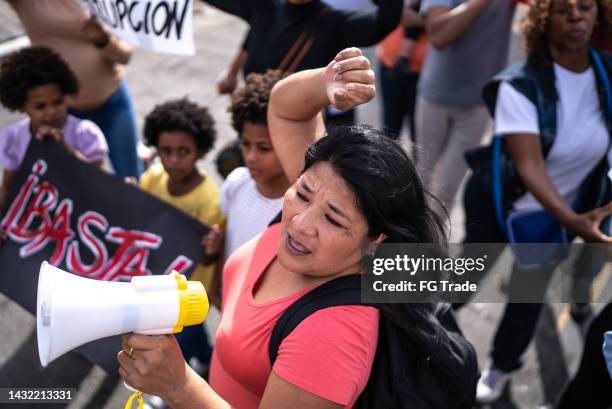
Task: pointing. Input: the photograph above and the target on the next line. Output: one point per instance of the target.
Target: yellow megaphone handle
(135, 395)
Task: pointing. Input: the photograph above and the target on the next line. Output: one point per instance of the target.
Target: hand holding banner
(156, 25)
(89, 223)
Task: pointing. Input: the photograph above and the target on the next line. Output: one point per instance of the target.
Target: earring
(371, 250)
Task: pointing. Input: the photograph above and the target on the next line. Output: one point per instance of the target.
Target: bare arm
(526, 151)
(229, 78)
(294, 111)
(294, 118)
(157, 366)
(444, 26)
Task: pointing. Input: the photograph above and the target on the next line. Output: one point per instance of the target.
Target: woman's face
(323, 233)
(571, 24)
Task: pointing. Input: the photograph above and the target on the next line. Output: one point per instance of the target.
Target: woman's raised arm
(294, 112)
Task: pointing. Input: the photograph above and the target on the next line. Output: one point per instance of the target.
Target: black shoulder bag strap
(544, 96)
(546, 99)
(277, 219)
(345, 290)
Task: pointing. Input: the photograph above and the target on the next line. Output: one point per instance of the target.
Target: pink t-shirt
(329, 354)
(80, 134)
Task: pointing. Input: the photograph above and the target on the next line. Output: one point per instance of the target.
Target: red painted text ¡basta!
(38, 203)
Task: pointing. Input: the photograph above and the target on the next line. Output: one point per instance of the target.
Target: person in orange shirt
(401, 55)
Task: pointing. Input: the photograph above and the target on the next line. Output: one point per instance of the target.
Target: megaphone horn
(73, 310)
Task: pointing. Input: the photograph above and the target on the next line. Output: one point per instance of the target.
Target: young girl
(183, 132)
(37, 82)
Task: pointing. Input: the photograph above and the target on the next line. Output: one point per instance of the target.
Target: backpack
(493, 166)
(422, 360)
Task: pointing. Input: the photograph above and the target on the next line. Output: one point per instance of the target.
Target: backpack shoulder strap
(546, 98)
(602, 64)
(345, 290)
(514, 72)
(536, 81)
(277, 218)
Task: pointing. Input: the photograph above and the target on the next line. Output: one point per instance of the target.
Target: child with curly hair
(252, 195)
(183, 132)
(37, 82)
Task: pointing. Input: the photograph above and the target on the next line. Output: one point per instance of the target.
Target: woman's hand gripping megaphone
(152, 359)
(148, 305)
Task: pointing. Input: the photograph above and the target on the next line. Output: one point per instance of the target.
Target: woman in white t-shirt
(558, 36)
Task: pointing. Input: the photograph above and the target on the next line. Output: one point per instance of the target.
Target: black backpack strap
(345, 290)
(277, 219)
(546, 96)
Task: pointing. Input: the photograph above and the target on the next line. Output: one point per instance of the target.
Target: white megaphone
(72, 310)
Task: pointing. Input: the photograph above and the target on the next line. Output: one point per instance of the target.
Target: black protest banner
(89, 223)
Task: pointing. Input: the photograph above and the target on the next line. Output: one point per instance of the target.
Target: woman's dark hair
(391, 196)
(33, 67)
(384, 180)
(181, 115)
(250, 102)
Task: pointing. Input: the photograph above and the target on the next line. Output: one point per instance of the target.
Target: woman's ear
(373, 244)
(381, 237)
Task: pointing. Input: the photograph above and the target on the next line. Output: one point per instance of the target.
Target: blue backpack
(492, 165)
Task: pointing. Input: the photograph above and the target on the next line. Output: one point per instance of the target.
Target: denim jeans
(117, 120)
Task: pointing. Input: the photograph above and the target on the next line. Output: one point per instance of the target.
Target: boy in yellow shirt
(183, 132)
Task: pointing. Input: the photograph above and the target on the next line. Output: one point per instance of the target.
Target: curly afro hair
(250, 102)
(33, 67)
(181, 115)
(536, 23)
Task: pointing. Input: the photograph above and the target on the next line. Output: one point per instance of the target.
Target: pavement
(153, 78)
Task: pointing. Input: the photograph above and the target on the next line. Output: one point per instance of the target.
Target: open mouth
(295, 247)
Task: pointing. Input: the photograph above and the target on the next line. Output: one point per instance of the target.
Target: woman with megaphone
(353, 188)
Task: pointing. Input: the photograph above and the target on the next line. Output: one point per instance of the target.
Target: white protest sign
(156, 25)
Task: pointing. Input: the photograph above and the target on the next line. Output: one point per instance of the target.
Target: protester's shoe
(581, 312)
(491, 384)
